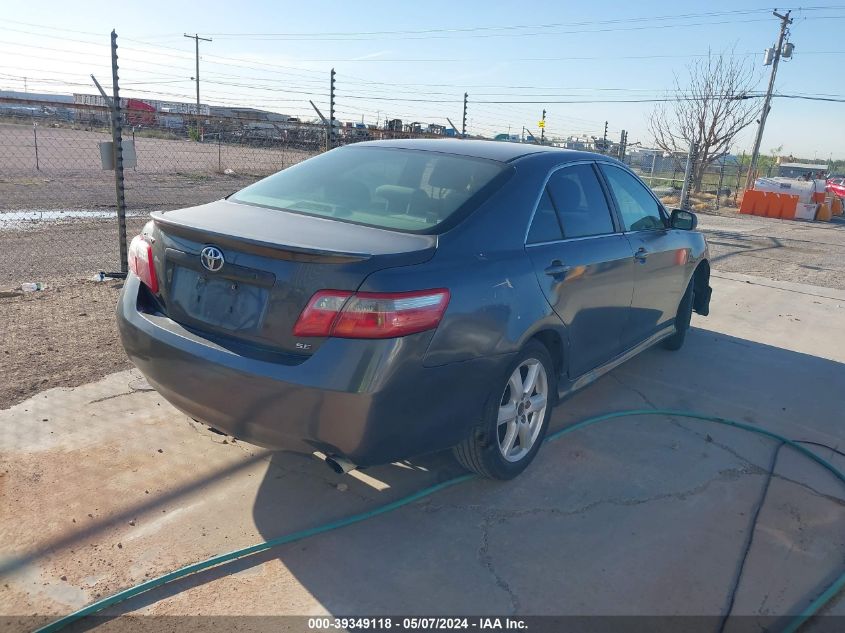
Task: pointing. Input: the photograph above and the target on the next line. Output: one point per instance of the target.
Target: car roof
(501, 151)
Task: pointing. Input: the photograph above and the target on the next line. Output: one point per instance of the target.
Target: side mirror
(683, 220)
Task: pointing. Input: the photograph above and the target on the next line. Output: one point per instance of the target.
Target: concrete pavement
(108, 485)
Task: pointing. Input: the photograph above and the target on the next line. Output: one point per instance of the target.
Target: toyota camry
(392, 298)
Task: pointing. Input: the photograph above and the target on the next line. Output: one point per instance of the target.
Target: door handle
(641, 254)
(557, 269)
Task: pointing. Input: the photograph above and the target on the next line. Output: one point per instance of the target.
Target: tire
(682, 319)
(484, 451)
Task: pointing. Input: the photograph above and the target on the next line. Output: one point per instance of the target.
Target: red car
(836, 186)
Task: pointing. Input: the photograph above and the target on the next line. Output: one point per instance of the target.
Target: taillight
(141, 261)
(371, 314)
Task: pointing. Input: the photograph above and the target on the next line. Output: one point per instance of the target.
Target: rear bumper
(369, 401)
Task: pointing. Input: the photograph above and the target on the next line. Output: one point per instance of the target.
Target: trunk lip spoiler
(270, 249)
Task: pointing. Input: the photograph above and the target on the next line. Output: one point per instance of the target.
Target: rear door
(583, 263)
(661, 255)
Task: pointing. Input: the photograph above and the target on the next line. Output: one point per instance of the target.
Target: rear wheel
(515, 419)
(682, 319)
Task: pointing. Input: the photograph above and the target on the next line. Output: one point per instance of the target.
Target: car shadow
(385, 565)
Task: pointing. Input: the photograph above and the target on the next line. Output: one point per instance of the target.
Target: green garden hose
(828, 594)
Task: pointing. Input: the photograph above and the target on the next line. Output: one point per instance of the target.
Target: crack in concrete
(703, 436)
(501, 514)
(112, 397)
(486, 561)
(635, 390)
(745, 460)
(496, 516)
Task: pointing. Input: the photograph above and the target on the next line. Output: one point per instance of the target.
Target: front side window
(389, 188)
(580, 202)
(640, 211)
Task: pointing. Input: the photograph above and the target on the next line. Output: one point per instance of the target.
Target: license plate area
(230, 304)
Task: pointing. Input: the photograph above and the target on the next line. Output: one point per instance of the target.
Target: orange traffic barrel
(746, 203)
(788, 205)
(823, 214)
(836, 206)
(819, 196)
(775, 205)
(761, 206)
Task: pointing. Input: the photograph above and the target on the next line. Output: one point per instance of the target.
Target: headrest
(567, 194)
(452, 174)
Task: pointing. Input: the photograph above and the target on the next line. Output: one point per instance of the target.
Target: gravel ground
(783, 250)
(66, 335)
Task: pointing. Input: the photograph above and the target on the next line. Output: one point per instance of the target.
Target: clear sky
(414, 60)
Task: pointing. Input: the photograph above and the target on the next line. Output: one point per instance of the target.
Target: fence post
(464, 124)
(35, 136)
(721, 179)
(330, 130)
(117, 147)
(693, 149)
(219, 150)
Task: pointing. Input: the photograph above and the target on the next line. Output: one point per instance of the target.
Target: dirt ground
(63, 336)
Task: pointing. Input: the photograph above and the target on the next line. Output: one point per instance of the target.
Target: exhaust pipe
(338, 464)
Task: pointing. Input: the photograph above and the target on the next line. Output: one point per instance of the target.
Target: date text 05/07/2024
(415, 623)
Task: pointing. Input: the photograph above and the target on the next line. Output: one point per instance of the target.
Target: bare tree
(711, 109)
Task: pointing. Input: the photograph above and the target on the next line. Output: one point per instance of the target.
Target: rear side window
(393, 188)
(580, 202)
(640, 211)
(544, 226)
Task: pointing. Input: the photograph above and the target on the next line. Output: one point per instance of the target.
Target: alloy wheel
(522, 409)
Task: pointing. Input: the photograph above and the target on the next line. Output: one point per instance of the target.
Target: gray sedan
(393, 298)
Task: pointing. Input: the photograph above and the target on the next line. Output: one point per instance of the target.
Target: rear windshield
(389, 188)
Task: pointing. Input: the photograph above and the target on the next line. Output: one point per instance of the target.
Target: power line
(454, 60)
(368, 37)
(453, 30)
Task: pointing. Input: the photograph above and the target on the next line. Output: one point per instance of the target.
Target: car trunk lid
(273, 261)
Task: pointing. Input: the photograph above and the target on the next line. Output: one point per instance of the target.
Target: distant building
(170, 107)
(35, 96)
(801, 170)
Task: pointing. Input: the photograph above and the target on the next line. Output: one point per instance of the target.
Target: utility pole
(785, 21)
(464, 125)
(197, 39)
(330, 131)
(543, 128)
(604, 143)
(623, 143)
(692, 156)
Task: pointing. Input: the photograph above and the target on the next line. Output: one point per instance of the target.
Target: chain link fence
(722, 180)
(59, 224)
(59, 212)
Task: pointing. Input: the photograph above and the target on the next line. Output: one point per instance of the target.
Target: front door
(659, 252)
(584, 265)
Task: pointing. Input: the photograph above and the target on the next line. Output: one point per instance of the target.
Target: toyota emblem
(212, 258)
